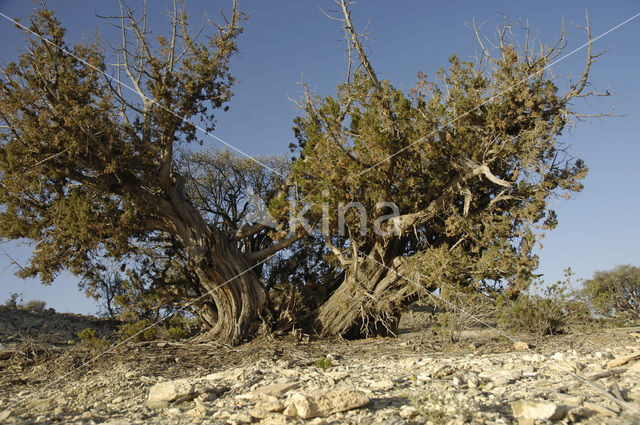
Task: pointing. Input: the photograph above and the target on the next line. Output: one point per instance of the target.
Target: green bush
(532, 313)
(615, 293)
(323, 362)
(545, 311)
(90, 339)
(14, 300)
(176, 332)
(142, 330)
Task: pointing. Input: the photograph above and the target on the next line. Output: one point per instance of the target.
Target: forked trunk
(369, 302)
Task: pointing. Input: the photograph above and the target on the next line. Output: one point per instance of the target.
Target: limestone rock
(164, 392)
(623, 360)
(277, 389)
(325, 403)
(408, 412)
(521, 345)
(383, 385)
(5, 414)
(543, 410)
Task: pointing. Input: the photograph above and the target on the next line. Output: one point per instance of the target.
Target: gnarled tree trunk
(370, 300)
(236, 291)
(223, 271)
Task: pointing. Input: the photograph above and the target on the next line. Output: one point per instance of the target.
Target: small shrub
(138, 332)
(532, 313)
(545, 311)
(35, 306)
(90, 339)
(14, 300)
(176, 332)
(460, 309)
(323, 362)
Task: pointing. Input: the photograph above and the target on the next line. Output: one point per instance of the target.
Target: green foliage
(89, 338)
(471, 158)
(92, 175)
(142, 330)
(88, 334)
(544, 312)
(532, 313)
(615, 293)
(14, 300)
(323, 362)
(176, 332)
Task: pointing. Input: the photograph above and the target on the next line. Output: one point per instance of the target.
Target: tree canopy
(454, 177)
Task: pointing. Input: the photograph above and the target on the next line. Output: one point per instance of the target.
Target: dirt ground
(32, 367)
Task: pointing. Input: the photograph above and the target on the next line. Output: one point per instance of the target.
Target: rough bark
(223, 271)
(370, 300)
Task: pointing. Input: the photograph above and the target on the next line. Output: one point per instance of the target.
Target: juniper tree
(471, 159)
(90, 170)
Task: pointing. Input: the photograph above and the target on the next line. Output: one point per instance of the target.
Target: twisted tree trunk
(370, 300)
(235, 289)
(236, 300)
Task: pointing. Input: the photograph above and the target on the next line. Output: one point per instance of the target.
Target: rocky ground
(483, 379)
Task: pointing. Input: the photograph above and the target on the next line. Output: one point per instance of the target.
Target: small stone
(634, 367)
(442, 371)
(117, 421)
(383, 385)
(557, 356)
(268, 404)
(521, 345)
(542, 410)
(290, 411)
(408, 412)
(577, 414)
(240, 418)
(5, 414)
(534, 358)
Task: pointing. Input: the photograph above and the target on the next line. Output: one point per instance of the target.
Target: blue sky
(286, 41)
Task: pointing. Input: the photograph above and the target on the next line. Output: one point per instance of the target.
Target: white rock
(542, 410)
(4, 415)
(383, 385)
(534, 358)
(163, 393)
(325, 403)
(240, 418)
(117, 421)
(277, 389)
(408, 412)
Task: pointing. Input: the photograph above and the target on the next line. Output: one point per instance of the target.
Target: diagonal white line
(141, 94)
(112, 348)
(590, 383)
(501, 93)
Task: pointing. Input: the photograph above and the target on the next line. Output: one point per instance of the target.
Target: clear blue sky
(287, 40)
